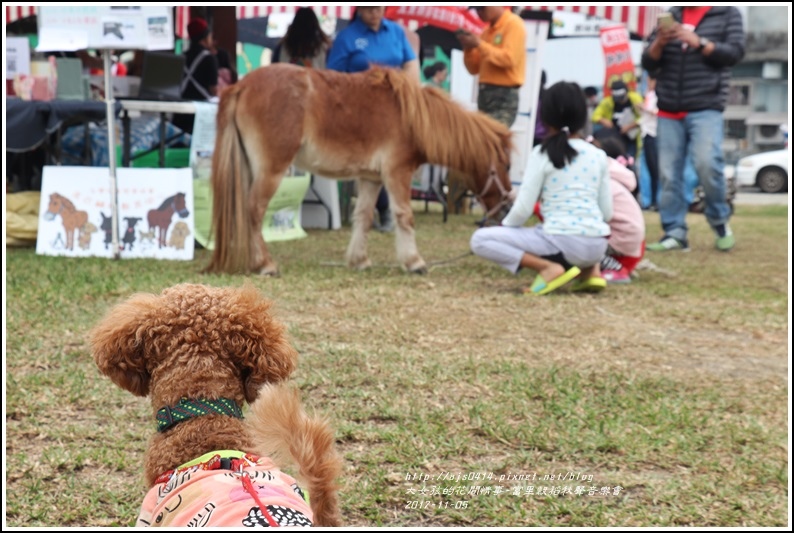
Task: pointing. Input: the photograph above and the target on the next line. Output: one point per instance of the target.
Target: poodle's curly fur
(197, 341)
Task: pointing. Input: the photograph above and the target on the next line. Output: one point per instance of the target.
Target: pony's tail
(283, 431)
(231, 181)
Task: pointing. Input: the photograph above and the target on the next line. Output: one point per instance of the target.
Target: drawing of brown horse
(160, 218)
(72, 218)
(377, 126)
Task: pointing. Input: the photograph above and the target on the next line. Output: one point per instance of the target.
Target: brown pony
(377, 125)
(72, 219)
(160, 218)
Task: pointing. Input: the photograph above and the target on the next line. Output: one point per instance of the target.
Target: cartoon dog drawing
(146, 237)
(129, 234)
(107, 227)
(178, 235)
(84, 237)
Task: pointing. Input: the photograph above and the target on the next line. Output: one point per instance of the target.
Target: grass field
(456, 401)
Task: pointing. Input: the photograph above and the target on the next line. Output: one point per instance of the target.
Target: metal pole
(111, 120)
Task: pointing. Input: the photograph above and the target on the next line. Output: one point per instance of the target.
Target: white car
(767, 170)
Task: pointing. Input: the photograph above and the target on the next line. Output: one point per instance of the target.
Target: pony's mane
(168, 201)
(448, 134)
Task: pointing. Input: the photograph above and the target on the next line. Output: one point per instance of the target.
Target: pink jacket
(203, 495)
(627, 223)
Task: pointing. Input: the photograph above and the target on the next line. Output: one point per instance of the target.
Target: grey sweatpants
(505, 246)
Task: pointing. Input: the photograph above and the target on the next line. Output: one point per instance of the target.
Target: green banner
(282, 219)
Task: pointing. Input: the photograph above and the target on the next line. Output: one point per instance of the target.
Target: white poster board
(17, 57)
(462, 85)
(202, 141)
(524, 126)
(277, 24)
(155, 211)
(77, 27)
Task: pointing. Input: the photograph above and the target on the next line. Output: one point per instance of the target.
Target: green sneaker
(667, 244)
(727, 241)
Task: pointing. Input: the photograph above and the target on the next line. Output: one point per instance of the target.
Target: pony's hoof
(360, 264)
(416, 266)
(269, 272)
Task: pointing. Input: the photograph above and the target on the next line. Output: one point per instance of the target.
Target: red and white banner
(444, 17)
(638, 19)
(19, 12)
(617, 58)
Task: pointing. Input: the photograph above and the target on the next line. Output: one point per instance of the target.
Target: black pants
(651, 155)
(382, 205)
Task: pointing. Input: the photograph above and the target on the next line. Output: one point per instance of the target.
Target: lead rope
(249, 487)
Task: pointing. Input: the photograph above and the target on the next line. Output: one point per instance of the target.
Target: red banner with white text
(617, 58)
(445, 17)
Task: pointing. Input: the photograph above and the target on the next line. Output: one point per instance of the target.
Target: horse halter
(493, 178)
(61, 207)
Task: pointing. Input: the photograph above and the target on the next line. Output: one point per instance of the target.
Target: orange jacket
(500, 59)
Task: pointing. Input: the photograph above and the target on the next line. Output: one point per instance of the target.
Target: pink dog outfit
(214, 490)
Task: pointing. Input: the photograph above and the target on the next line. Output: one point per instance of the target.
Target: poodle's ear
(117, 343)
(259, 342)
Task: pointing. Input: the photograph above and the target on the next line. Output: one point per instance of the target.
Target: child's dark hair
(431, 70)
(610, 142)
(304, 37)
(563, 108)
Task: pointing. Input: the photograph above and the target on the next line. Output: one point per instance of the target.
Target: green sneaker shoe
(667, 244)
(727, 241)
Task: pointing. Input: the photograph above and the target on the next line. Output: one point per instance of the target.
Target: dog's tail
(282, 430)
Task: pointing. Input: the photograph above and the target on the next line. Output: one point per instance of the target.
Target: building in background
(759, 95)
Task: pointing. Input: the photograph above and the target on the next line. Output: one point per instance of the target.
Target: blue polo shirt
(357, 47)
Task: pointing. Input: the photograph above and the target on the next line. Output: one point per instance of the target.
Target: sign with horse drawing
(155, 213)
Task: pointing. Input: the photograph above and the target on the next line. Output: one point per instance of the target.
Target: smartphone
(665, 20)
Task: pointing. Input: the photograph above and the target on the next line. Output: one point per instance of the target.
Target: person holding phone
(691, 53)
(498, 57)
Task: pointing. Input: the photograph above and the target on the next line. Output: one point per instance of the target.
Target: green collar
(168, 417)
(228, 454)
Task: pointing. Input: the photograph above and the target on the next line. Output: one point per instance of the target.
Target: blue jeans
(699, 134)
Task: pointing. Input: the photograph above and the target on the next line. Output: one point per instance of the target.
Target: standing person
(200, 76)
(499, 58)
(591, 97)
(618, 111)
(372, 40)
(648, 120)
(692, 56)
(570, 177)
(305, 42)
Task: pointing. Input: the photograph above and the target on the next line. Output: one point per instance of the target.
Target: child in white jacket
(569, 177)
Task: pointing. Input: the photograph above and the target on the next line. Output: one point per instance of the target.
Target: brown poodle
(200, 353)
